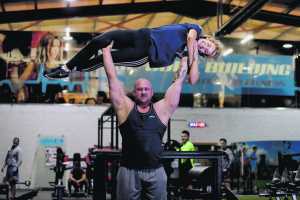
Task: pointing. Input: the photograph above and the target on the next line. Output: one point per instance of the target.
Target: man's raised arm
(167, 106)
(121, 103)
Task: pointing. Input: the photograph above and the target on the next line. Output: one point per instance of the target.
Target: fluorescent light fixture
(247, 38)
(67, 37)
(227, 52)
(131, 71)
(67, 29)
(287, 45)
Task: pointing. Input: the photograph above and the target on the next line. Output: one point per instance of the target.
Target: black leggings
(130, 49)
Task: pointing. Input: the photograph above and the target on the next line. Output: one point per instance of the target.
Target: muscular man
(142, 125)
(13, 161)
(158, 46)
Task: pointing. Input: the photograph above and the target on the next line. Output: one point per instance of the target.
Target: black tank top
(142, 135)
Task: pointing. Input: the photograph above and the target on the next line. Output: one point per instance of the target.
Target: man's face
(206, 47)
(184, 138)
(143, 92)
(16, 141)
(223, 144)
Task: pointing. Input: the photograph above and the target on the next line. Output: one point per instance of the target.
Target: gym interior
(249, 96)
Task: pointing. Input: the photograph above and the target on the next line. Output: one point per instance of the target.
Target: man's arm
(121, 103)
(192, 56)
(83, 177)
(71, 177)
(167, 106)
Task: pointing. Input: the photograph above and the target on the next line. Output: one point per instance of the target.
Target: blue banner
(234, 74)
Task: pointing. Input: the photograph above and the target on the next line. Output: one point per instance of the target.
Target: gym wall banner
(236, 74)
(50, 144)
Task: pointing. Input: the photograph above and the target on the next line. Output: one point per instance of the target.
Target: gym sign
(197, 124)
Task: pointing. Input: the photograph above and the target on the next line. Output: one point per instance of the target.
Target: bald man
(142, 125)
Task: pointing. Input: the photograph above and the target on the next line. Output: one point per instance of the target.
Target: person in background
(253, 164)
(226, 161)
(77, 177)
(186, 164)
(89, 170)
(13, 162)
(90, 101)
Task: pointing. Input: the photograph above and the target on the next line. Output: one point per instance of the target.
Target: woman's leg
(129, 57)
(122, 40)
(131, 50)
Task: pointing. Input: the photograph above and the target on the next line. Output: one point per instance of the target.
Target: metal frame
(102, 157)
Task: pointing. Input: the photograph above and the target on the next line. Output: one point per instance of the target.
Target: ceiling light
(67, 37)
(197, 94)
(227, 52)
(247, 38)
(287, 45)
(131, 71)
(67, 29)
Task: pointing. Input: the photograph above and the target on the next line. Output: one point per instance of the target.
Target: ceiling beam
(108, 9)
(278, 18)
(208, 9)
(241, 16)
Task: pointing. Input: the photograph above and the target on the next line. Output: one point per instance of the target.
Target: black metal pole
(101, 132)
(98, 134)
(99, 178)
(112, 131)
(169, 131)
(117, 133)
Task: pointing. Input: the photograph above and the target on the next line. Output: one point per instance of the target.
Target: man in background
(186, 164)
(12, 163)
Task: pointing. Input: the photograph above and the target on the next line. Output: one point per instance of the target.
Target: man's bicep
(117, 93)
(164, 110)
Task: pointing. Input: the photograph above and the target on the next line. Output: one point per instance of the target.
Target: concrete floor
(46, 195)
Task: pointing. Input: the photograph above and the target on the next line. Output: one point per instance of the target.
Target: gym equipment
(102, 158)
(26, 183)
(4, 189)
(59, 169)
(282, 187)
(28, 195)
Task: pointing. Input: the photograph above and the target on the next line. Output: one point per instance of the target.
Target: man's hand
(108, 47)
